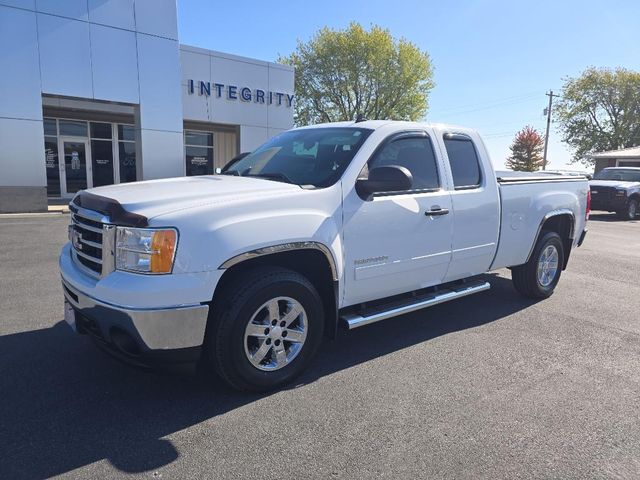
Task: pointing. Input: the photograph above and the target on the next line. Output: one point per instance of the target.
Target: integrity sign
(244, 94)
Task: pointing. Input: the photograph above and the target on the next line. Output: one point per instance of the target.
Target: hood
(613, 183)
(156, 197)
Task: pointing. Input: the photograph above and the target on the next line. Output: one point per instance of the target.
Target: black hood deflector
(110, 208)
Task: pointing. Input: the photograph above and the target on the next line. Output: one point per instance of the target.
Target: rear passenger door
(476, 206)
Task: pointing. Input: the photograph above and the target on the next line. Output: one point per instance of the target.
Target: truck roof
(375, 124)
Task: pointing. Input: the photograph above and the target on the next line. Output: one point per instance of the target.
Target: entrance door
(74, 171)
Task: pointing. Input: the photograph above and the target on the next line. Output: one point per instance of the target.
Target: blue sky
(494, 60)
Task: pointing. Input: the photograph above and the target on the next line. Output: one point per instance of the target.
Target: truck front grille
(602, 194)
(88, 233)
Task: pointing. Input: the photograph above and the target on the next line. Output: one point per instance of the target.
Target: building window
(51, 159)
(101, 130)
(126, 133)
(127, 153)
(73, 128)
(50, 127)
(631, 163)
(101, 153)
(106, 156)
(198, 151)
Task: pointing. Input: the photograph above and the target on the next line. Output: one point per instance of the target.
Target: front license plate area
(69, 315)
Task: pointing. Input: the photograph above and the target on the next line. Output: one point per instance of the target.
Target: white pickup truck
(337, 224)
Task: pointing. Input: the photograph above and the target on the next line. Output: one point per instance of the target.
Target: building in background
(95, 92)
(626, 157)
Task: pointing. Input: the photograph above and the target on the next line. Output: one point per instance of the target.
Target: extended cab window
(413, 153)
(465, 165)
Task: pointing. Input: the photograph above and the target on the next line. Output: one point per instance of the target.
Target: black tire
(525, 277)
(226, 344)
(631, 210)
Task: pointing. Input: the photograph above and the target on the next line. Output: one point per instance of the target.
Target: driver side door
(396, 242)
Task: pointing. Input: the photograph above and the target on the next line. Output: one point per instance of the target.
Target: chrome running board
(354, 320)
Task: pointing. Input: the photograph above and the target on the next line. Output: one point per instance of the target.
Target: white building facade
(94, 92)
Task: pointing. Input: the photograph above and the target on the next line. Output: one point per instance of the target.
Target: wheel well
(563, 225)
(311, 263)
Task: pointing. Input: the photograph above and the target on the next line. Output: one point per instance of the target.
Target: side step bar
(354, 320)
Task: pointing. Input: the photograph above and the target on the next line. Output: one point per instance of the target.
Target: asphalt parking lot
(489, 386)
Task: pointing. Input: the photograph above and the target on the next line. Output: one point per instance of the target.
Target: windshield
(313, 156)
(618, 174)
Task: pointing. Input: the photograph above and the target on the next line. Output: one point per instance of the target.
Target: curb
(33, 214)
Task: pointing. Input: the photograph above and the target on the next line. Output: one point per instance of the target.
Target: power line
(462, 109)
(491, 102)
(531, 121)
(498, 135)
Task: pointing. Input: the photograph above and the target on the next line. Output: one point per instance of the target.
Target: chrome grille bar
(93, 231)
(88, 214)
(108, 249)
(91, 244)
(89, 257)
(79, 224)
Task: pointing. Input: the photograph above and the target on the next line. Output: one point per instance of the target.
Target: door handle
(436, 211)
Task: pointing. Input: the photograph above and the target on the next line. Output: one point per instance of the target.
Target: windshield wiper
(278, 177)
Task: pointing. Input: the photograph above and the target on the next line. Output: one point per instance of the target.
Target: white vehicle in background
(337, 224)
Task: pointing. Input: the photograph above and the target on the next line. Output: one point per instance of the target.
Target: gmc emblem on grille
(75, 239)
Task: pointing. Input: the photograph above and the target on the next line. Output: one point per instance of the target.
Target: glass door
(74, 171)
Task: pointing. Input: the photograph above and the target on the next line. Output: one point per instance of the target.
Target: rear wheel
(268, 332)
(630, 212)
(539, 276)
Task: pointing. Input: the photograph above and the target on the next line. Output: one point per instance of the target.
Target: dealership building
(96, 92)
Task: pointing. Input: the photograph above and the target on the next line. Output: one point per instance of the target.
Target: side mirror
(391, 178)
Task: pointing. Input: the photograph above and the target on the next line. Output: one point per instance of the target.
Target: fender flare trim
(551, 214)
(284, 247)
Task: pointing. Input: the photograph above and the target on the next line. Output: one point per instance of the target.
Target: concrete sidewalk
(55, 207)
(59, 208)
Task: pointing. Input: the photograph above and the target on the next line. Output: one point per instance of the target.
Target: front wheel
(630, 212)
(269, 330)
(539, 276)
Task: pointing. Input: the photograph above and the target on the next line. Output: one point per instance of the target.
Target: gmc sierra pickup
(337, 224)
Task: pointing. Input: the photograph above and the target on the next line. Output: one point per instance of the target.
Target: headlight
(621, 193)
(145, 250)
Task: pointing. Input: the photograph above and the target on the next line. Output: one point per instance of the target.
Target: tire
(526, 278)
(630, 212)
(249, 357)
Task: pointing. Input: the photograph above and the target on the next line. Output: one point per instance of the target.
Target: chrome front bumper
(152, 330)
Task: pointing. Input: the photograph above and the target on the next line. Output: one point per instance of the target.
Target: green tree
(526, 151)
(341, 74)
(599, 111)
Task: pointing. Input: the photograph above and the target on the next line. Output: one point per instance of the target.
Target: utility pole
(546, 135)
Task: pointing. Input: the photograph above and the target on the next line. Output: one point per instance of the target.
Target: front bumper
(611, 204)
(144, 336)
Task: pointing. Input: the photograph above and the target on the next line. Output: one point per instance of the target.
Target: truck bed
(525, 199)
